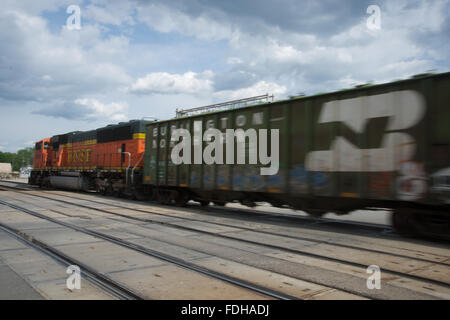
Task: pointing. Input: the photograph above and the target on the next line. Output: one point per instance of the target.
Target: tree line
(21, 158)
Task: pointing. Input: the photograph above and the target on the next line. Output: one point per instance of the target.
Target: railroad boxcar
(375, 146)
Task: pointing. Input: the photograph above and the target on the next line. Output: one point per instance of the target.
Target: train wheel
(46, 183)
(139, 195)
(162, 197)
(116, 193)
(152, 196)
(433, 224)
(159, 197)
(109, 190)
(204, 203)
(181, 198)
(403, 222)
(220, 203)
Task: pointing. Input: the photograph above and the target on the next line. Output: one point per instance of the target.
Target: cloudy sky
(138, 58)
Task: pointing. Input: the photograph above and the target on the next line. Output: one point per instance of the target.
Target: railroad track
(243, 228)
(153, 253)
(258, 243)
(217, 224)
(95, 277)
(269, 216)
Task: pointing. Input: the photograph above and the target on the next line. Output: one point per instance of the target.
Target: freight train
(372, 146)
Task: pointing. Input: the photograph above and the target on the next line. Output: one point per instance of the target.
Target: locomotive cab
(41, 149)
(41, 154)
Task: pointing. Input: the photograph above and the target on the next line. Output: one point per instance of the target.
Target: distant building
(5, 170)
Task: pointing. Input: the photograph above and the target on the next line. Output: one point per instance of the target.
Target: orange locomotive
(109, 159)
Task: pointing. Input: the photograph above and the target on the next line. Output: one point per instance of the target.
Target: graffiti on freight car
(207, 179)
(276, 182)
(412, 181)
(221, 180)
(299, 178)
(440, 155)
(441, 185)
(238, 181)
(195, 178)
(257, 181)
(248, 180)
(379, 184)
(404, 109)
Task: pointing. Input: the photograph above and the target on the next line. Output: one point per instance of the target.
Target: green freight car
(375, 146)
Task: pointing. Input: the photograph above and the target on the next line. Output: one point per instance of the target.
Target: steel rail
(296, 251)
(236, 211)
(316, 221)
(159, 255)
(228, 225)
(100, 280)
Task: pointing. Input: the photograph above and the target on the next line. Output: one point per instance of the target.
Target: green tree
(21, 158)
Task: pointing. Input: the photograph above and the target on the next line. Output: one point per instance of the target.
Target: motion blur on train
(383, 146)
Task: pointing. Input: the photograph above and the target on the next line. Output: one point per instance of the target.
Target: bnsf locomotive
(109, 160)
(374, 146)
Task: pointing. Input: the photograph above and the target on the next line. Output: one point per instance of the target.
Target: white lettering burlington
(213, 153)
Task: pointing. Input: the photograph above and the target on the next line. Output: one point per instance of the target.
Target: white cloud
(115, 111)
(163, 82)
(200, 84)
(110, 12)
(87, 109)
(311, 61)
(427, 16)
(34, 7)
(234, 60)
(260, 88)
(42, 66)
(169, 19)
(29, 143)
